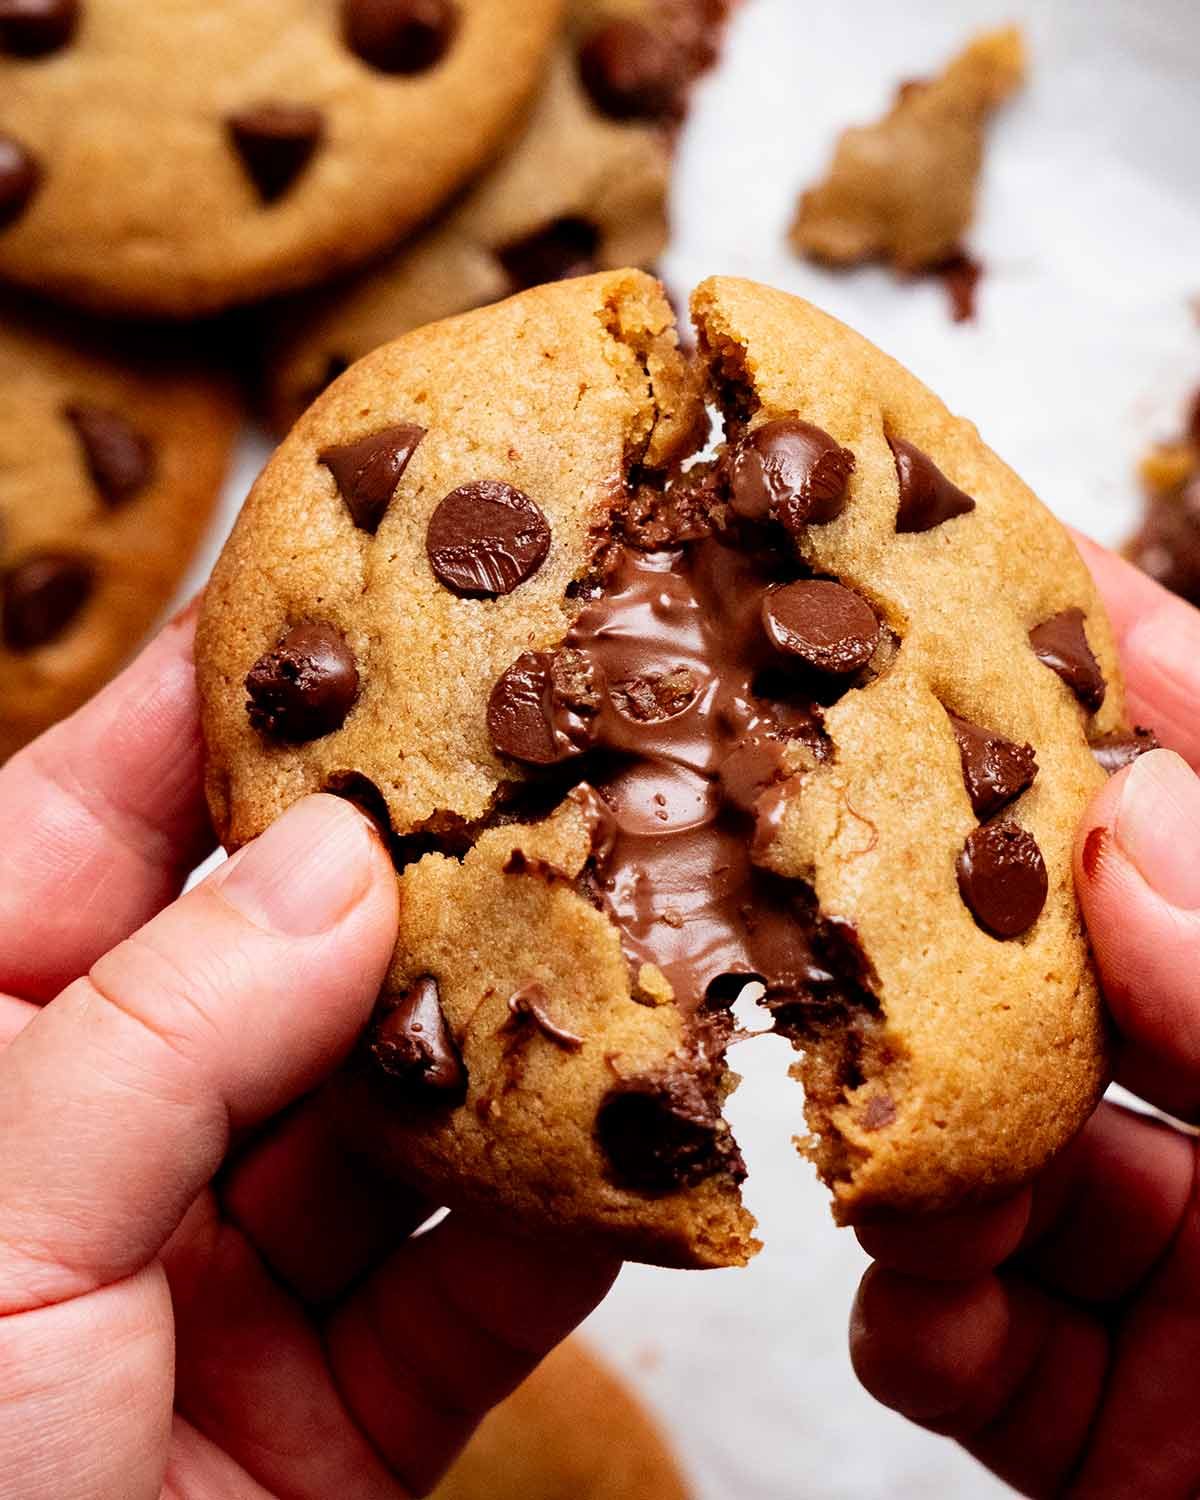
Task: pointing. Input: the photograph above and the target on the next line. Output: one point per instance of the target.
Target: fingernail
(306, 872)
(1157, 826)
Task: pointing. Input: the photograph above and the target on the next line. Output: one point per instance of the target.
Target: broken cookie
(1167, 545)
(811, 712)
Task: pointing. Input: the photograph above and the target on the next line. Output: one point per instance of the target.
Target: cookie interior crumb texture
(817, 710)
(903, 189)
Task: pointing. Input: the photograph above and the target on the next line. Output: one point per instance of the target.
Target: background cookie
(864, 752)
(109, 471)
(572, 1431)
(583, 188)
(175, 159)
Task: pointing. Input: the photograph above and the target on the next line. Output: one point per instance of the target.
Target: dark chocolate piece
(368, 470)
(632, 72)
(20, 178)
(276, 141)
(542, 710)
(305, 686)
(1061, 644)
(828, 626)
(561, 249)
(1121, 748)
(119, 459)
(399, 36)
(35, 28)
(1002, 878)
(791, 472)
(530, 1006)
(995, 770)
(485, 538)
(927, 498)
(41, 596)
(412, 1044)
(663, 1134)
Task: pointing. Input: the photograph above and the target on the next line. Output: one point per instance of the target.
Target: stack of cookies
(162, 166)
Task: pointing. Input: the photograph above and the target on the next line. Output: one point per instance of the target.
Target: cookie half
(109, 472)
(815, 712)
(178, 159)
(572, 1429)
(583, 188)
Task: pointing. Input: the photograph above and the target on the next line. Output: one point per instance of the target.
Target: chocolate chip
(367, 471)
(275, 142)
(791, 472)
(33, 28)
(305, 687)
(354, 787)
(660, 1135)
(563, 248)
(399, 36)
(531, 1005)
(1002, 878)
(995, 770)
(412, 1045)
(542, 709)
(1121, 748)
(927, 498)
(824, 623)
(119, 459)
(41, 597)
(631, 72)
(1061, 644)
(20, 178)
(486, 538)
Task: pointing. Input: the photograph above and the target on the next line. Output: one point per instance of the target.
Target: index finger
(1158, 637)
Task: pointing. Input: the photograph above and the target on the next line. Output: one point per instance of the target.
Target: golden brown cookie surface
(109, 471)
(815, 711)
(176, 158)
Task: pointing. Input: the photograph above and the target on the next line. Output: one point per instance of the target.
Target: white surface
(1084, 346)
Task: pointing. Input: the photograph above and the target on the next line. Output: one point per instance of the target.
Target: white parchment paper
(1086, 342)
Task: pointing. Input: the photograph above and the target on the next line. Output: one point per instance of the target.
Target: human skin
(1056, 1334)
(200, 1294)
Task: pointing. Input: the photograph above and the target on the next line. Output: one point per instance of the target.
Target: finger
(446, 1328)
(117, 1100)
(15, 1015)
(1158, 637)
(958, 1246)
(319, 1214)
(101, 819)
(1137, 871)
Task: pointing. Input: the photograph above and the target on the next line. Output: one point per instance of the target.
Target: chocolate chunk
(412, 1045)
(632, 72)
(530, 1005)
(119, 459)
(1002, 878)
(878, 1113)
(33, 28)
(305, 687)
(663, 1134)
(367, 471)
(995, 770)
(275, 142)
(927, 498)
(828, 626)
(542, 710)
(657, 696)
(563, 248)
(354, 787)
(41, 596)
(399, 36)
(1061, 644)
(791, 472)
(20, 178)
(486, 538)
(1121, 748)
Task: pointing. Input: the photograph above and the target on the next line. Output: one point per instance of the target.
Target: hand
(1056, 1335)
(178, 1318)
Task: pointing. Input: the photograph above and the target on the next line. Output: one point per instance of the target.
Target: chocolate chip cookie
(572, 1430)
(815, 711)
(583, 187)
(177, 159)
(108, 474)
(1167, 544)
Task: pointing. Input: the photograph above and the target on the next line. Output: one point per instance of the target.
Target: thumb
(117, 1100)
(1138, 875)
